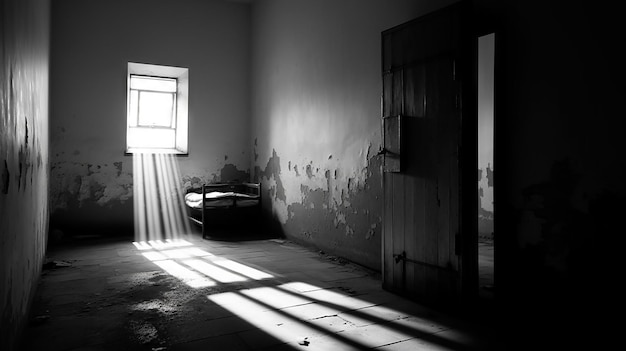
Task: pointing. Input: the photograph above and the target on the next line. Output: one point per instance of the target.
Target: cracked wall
(486, 54)
(327, 207)
(91, 177)
(485, 202)
(24, 67)
(84, 194)
(316, 119)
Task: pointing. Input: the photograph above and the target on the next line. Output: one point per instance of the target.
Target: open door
(425, 246)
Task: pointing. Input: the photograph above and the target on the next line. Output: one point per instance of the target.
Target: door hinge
(400, 257)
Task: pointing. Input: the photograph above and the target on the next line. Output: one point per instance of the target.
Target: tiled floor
(216, 295)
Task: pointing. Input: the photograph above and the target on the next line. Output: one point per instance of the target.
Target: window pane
(155, 109)
(132, 108)
(151, 138)
(167, 85)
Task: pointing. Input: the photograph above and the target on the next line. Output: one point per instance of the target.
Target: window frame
(179, 117)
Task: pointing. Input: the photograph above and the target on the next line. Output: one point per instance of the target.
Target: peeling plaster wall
(92, 41)
(24, 60)
(316, 118)
(485, 200)
(485, 135)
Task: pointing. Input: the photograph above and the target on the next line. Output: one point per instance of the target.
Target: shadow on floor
(195, 294)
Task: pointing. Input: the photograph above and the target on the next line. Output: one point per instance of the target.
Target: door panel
(421, 219)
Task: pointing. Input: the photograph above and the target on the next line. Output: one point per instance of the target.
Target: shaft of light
(159, 211)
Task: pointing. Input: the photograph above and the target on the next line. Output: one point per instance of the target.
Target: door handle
(384, 151)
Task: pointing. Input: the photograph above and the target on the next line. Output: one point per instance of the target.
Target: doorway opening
(486, 235)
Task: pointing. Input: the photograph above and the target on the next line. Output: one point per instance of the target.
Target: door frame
(483, 26)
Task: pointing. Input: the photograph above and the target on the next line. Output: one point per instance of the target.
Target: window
(157, 109)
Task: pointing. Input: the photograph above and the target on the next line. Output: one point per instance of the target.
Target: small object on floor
(304, 341)
(347, 290)
(56, 264)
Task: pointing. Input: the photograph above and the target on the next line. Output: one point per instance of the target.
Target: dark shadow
(121, 321)
(77, 313)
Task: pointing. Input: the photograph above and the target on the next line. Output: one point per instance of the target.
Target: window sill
(132, 151)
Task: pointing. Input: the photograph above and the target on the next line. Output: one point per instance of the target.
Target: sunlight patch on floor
(331, 319)
(189, 277)
(195, 266)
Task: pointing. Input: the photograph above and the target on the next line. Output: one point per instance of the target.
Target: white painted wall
(316, 102)
(91, 178)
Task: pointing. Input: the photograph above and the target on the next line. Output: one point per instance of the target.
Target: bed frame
(225, 206)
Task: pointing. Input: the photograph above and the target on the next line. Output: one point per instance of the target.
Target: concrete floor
(485, 268)
(196, 294)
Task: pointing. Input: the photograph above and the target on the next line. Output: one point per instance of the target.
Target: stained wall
(314, 68)
(92, 42)
(485, 115)
(24, 67)
(316, 118)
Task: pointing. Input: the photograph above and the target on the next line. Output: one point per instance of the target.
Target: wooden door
(422, 110)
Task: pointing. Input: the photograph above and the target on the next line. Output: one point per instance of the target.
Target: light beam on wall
(159, 210)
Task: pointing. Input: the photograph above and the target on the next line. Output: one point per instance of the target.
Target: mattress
(218, 199)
